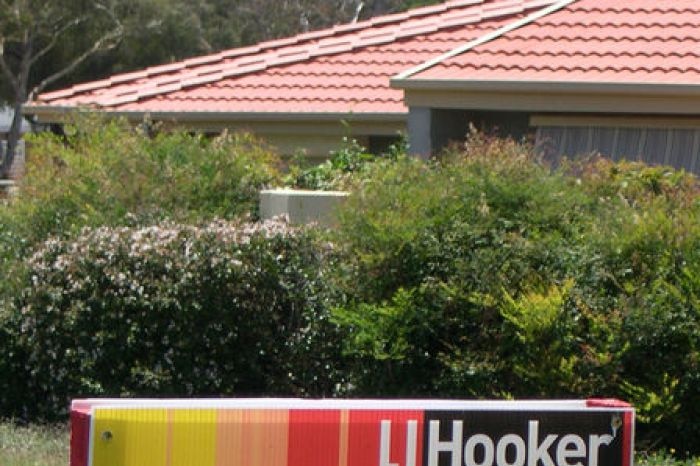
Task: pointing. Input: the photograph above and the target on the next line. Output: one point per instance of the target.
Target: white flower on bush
(167, 246)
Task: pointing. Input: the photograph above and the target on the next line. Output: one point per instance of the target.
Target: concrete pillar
(18, 164)
(419, 132)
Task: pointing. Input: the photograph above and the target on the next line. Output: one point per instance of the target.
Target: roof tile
(346, 68)
(643, 41)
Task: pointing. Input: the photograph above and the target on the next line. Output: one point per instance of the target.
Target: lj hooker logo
(491, 438)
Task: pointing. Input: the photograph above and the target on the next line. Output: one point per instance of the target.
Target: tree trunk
(12, 141)
(20, 88)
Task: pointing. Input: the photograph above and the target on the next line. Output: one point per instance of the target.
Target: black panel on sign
(523, 438)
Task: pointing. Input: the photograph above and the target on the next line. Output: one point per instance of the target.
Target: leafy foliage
(107, 173)
(484, 274)
(347, 166)
(490, 275)
(664, 458)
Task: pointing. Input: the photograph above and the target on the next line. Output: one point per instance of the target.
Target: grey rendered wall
(679, 148)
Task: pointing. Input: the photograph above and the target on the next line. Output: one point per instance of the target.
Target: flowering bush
(226, 308)
(108, 173)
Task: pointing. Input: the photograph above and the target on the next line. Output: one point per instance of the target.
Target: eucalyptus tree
(31, 29)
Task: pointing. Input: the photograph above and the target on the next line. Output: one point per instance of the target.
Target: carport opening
(452, 126)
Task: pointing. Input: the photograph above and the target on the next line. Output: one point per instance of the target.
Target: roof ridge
(553, 7)
(317, 43)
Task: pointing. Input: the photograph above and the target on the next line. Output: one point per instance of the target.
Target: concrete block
(301, 206)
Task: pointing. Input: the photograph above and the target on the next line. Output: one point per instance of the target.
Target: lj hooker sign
(289, 432)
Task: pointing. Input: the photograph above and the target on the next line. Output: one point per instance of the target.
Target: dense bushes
(171, 309)
(486, 274)
(489, 275)
(108, 173)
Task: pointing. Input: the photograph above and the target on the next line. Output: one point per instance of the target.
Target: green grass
(663, 458)
(35, 445)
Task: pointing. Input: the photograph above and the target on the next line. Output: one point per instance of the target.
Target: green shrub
(105, 172)
(228, 308)
(488, 274)
(345, 167)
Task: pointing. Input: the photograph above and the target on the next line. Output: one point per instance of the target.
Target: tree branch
(6, 68)
(106, 42)
(54, 38)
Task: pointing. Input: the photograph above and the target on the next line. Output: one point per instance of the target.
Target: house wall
(654, 140)
(314, 139)
(570, 127)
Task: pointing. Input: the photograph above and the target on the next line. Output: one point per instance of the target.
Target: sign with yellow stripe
(274, 432)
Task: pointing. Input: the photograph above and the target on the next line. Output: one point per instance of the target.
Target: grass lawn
(34, 445)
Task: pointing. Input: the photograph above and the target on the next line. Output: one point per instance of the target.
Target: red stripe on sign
(607, 403)
(314, 437)
(383, 438)
(79, 436)
(627, 437)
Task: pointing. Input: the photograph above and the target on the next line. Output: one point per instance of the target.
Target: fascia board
(557, 102)
(56, 114)
(551, 87)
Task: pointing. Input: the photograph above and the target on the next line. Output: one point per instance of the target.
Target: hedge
(490, 274)
(223, 309)
(107, 173)
(485, 274)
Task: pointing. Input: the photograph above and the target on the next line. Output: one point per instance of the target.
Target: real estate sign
(290, 432)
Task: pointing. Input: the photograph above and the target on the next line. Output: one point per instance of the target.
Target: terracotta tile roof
(589, 41)
(338, 70)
